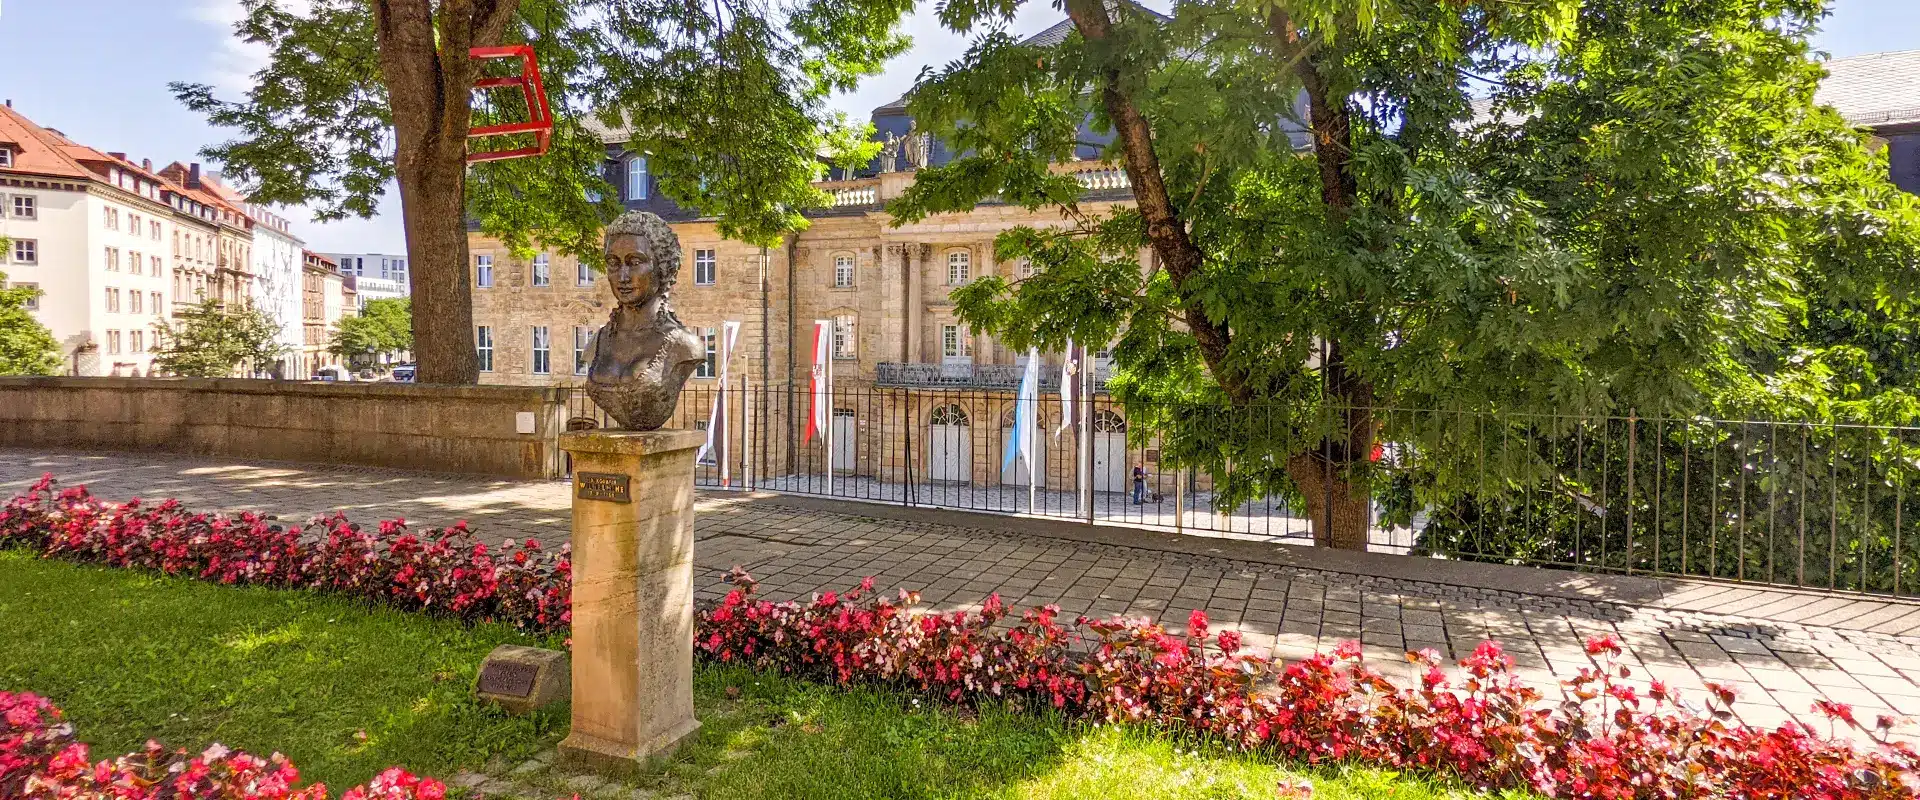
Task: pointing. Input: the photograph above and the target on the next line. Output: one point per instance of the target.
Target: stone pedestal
(632, 596)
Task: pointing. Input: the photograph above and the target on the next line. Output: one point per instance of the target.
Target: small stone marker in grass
(523, 679)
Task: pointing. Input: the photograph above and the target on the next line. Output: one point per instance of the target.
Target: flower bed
(1601, 738)
(41, 759)
(443, 570)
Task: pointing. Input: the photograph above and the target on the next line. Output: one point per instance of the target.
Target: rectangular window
(25, 206)
(582, 336)
(711, 366)
(843, 341)
(843, 272)
(542, 270)
(33, 300)
(134, 340)
(113, 259)
(153, 302)
(386, 269)
(704, 267)
(483, 271)
(113, 342)
(153, 262)
(542, 351)
(637, 178)
(133, 303)
(133, 224)
(110, 217)
(959, 267)
(113, 300)
(954, 342)
(6, 157)
(26, 251)
(153, 230)
(483, 347)
(135, 262)
(583, 273)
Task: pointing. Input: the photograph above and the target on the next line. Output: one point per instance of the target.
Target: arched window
(637, 178)
(949, 414)
(959, 267)
(1105, 421)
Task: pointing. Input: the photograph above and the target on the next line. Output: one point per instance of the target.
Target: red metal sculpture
(539, 115)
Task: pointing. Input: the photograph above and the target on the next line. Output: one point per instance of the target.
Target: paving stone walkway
(1781, 649)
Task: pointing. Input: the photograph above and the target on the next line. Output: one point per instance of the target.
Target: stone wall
(489, 430)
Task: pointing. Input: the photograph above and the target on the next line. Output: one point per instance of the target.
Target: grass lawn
(130, 656)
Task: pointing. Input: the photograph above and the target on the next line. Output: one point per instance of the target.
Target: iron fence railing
(1790, 503)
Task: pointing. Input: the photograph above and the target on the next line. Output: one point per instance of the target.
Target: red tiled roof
(41, 151)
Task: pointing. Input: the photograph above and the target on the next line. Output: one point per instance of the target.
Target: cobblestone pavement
(1781, 649)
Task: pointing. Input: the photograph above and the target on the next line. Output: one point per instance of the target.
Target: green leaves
(1558, 207)
(728, 100)
(384, 326)
(210, 340)
(26, 346)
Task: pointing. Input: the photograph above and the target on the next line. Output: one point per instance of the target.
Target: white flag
(1026, 414)
(1071, 369)
(717, 421)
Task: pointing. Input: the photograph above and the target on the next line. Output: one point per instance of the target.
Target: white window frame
(542, 270)
(25, 206)
(709, 367)
(483, 346)
(706, 267)
(6, 156)
(483, 270)
(954, 342)
(25, 251)
(637, 175)
(135, 342)
(134, 302)
(33, 301)
(540, 362)
(154, 302)
(843, 268)
(959, 267)
(582, 272)
(845, 330)
(582, 336)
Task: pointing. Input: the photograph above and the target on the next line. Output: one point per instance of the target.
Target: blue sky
(98, 70)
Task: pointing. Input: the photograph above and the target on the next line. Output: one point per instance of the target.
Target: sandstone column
(632, 596)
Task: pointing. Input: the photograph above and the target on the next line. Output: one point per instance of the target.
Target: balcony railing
(1005, 377)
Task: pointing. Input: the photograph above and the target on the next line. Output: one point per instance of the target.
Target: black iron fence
(1802, 504)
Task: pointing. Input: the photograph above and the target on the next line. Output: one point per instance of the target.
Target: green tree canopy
(1553, 206)
(26, 346)
(384, 326)
(727, 98)
(210, 340)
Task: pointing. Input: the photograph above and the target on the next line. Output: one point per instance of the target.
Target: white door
(949, 445)
(843, 433)
(1016, 473)
(1111, 472)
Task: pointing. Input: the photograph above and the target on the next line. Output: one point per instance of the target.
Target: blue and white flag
(1026, 413)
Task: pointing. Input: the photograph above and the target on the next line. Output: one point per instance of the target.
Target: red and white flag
(717, 437)
(821, 401)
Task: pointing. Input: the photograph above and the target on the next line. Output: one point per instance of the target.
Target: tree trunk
(1345, 526)
(1166, 231)
(429, 78)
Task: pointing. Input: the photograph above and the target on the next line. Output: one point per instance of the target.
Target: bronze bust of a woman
(640, 359)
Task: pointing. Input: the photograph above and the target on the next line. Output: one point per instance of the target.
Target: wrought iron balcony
(1000, 377)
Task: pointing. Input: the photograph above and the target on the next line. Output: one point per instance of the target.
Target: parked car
(332, 372)
(403, 373)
